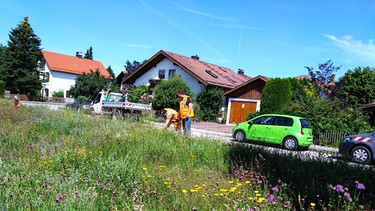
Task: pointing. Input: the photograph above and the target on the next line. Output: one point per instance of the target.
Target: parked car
(288, 131)
(360, 148)
(80, 105)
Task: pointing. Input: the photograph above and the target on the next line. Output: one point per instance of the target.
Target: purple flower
(270, 197)
(360, 186)
(339, 188)
(347, 196)
(194, 208)
(275, 189)
(250, 209)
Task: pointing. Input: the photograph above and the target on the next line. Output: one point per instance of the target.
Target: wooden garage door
(239, 111)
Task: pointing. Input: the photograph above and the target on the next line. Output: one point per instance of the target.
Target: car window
(305, 123)
(264, 120)
(283, 121)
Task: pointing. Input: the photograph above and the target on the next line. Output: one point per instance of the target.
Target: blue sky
(274, 38)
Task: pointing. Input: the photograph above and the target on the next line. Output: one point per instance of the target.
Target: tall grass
(61, 160)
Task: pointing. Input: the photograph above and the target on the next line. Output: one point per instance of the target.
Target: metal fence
(329, 138)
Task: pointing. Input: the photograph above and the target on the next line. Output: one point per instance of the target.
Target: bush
(2, 88)
(210, 102)
(59, 93)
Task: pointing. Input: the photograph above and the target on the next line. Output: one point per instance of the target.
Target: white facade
(168, 65)
(57, 81)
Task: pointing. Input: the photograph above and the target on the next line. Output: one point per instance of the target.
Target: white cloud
(365, 51)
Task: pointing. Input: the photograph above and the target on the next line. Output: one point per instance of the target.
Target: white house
(194, 72)
(61, 71)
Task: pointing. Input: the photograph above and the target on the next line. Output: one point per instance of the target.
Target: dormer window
(211, 73)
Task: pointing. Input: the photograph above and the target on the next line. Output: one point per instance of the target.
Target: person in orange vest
(15, 102)
(186, 111)
(171, 117)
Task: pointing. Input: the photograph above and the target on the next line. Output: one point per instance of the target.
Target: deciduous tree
(89, 84)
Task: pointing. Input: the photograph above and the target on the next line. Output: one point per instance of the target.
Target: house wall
(59, 81)
(166, 65)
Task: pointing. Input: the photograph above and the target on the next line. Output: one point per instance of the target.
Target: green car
(290, 132)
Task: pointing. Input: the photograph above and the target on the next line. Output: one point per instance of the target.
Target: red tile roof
(204, 72)
(73, 64)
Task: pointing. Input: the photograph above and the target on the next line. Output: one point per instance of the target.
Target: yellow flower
(258, 194)
(193, 190)
(239, 184)
(162, 167)
(230, 182)
(256, 191)
(223, 190)
(312, 204)
(144, 168)
(167, 183)
(184, 191)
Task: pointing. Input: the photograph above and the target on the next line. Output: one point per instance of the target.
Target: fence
(329, 138)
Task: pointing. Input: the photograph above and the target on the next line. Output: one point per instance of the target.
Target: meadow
(63, 160)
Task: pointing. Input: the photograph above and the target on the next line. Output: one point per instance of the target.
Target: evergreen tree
(276, 93)
(89, 54)
(20, 62)
(109, 69)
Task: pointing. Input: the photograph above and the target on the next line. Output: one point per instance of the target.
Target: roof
(259, 77)
(73, 64)
(206, 73)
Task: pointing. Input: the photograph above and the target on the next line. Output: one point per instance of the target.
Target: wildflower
(162, 167)
(250, 209)
(223, 190)
(347, 196)
(11, 195)
(270, 197)
(184, 191)
(312, 204)
(194, 208)
(275, 189)
(339, 188)
(360, 186)
(144, 168)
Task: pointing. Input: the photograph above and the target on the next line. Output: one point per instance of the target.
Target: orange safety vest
(184, 108)
(171, 111)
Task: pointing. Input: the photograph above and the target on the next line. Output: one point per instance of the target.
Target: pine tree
(20, 62)
(89, 54)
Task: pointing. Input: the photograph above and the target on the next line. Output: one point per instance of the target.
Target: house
(244, 99)
(60, 71)
(198, 74)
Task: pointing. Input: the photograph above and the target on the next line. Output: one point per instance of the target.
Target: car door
(279, 128)
(257, 130)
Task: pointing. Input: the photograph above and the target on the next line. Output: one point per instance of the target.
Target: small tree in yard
(165, 95)
(210, 102)
(89, 85)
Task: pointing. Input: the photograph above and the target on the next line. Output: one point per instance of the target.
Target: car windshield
(305, 123)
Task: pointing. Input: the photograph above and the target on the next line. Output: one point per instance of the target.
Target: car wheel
(360, 154)
(290, 143)
(239, 135)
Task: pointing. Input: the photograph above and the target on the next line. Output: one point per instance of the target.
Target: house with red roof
(196, 73)
(60, 71)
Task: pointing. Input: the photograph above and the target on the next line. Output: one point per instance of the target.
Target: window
(265, 120)
(161, 74)
(211, 73)
(67, 93)
(44, 77)
(172, 72)
(283, 121)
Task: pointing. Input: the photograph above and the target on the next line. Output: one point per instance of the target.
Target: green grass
(61, 160)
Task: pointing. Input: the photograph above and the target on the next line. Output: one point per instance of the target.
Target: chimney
(240, 71)
(195, 57)
(79, 54)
